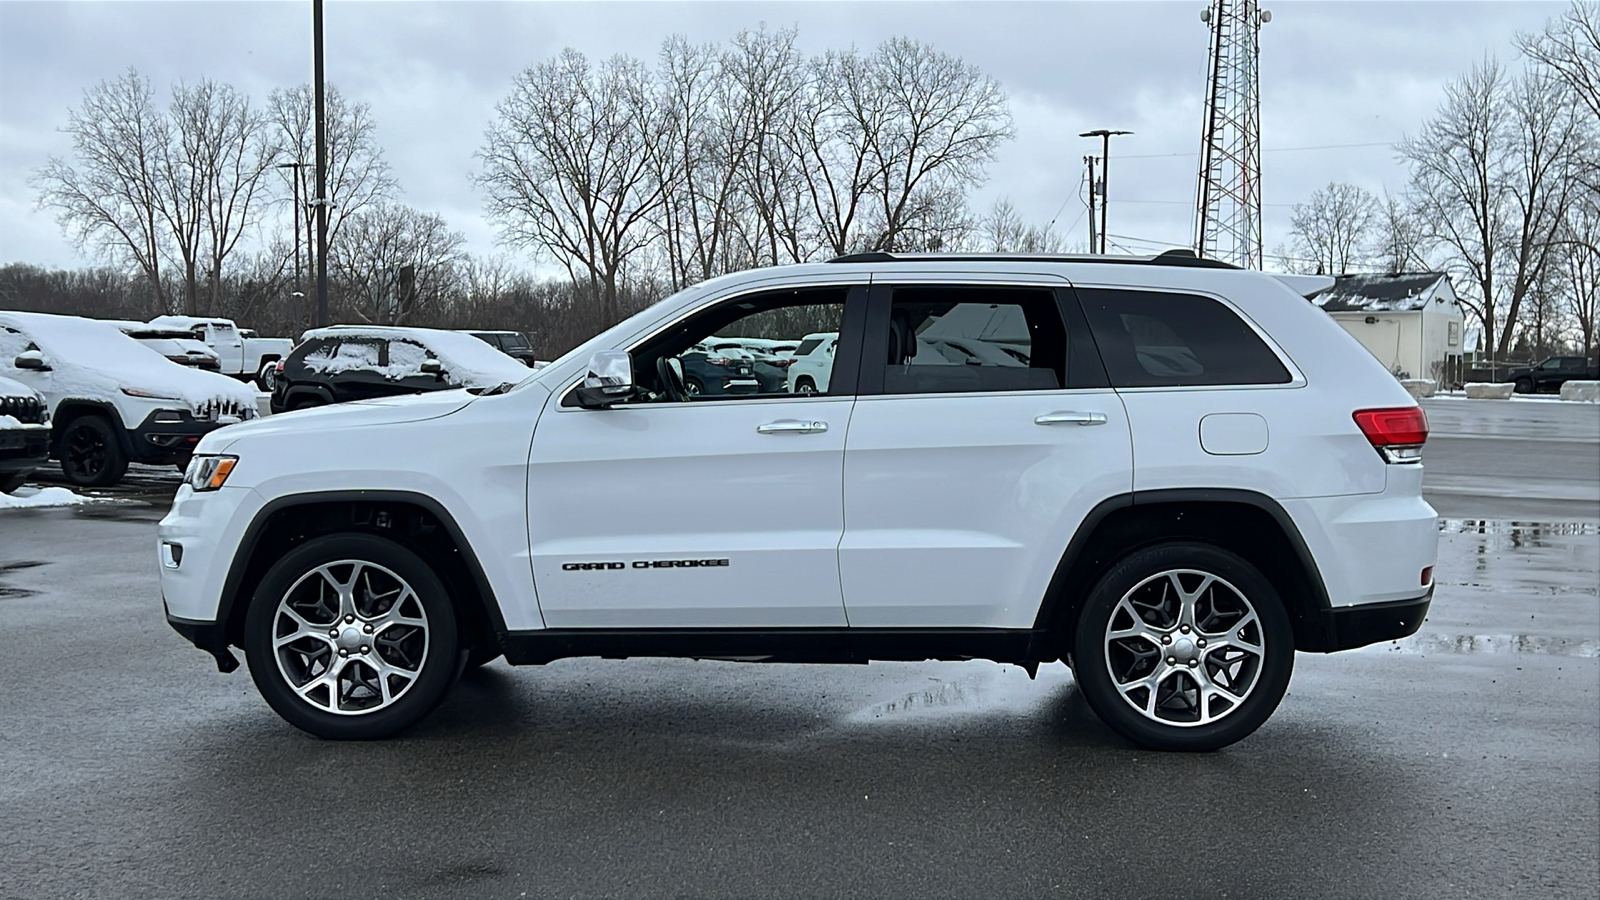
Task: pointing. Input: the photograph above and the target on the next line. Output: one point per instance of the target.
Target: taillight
(279, 367)
(1398, 433)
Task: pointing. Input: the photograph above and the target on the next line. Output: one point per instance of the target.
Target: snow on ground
(35, 498)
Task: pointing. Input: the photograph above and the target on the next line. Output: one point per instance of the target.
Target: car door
(965, 481)
(706, 510)
(225, 339)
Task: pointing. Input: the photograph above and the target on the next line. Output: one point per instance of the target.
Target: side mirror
(432, 367)
(31, 359)
(610, 379)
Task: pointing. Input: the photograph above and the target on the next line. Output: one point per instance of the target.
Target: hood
(317, 421)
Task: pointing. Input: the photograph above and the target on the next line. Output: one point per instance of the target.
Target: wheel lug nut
(367, 629)
(1166, 639)
(333, 632)
(1193, 663)
(1184, 629)
(1200, 643)
(349, 619)
(363, 648)
(1172, 660)
(343, 652)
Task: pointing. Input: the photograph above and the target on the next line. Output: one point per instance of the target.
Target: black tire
(1523, 386)
(267, 378)
(693, 387)
(1156, 578)
(9, 483)
(91, 452)
(435, 657)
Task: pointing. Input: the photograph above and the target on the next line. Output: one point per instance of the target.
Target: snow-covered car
(1173, 537)
(813, 363)
(24, 433)
(342, 363)
(246, 358)
(112, 401)
(176, 345)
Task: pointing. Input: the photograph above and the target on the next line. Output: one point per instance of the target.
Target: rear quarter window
(1160, 339)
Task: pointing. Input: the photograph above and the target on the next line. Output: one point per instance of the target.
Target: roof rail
(1176, 257)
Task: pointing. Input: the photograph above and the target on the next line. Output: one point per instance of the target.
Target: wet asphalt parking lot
(1463, 762)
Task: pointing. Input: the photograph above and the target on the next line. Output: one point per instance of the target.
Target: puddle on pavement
(1553, 645)
(984, 688)
(6, 568)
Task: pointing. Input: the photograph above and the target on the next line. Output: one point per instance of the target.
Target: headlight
(148, 395)
(207, 473)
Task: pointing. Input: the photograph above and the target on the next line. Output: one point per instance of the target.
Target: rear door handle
(1071, 417)
(792, 426)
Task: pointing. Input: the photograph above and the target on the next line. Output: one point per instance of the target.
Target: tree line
(633, 179)
(1503, 194)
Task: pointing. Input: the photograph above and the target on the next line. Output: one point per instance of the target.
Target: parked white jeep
(246, 358)
(1195, 474)
(113, 400)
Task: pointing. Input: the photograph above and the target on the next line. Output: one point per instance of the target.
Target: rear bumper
(24, 449)
(1345, 628)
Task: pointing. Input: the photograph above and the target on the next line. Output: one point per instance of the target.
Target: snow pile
(467, 361)
(42, 497)
(92, 359)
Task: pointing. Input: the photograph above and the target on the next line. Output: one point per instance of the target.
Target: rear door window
(974, 338)
(1160, 339)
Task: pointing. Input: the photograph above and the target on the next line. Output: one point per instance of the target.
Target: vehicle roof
(1175, 257)
(187, 322)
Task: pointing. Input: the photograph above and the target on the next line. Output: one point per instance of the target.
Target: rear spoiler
(1307, 286)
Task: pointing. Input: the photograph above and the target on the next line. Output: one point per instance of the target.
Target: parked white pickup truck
(245, 358)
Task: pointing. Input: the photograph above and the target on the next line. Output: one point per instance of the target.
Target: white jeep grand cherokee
(1171, 474)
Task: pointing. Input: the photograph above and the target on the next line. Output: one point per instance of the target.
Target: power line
(1265, 150)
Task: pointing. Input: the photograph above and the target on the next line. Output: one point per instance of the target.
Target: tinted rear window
(1156, 339)
(806, 346)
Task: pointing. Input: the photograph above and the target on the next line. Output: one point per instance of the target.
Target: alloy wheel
(1184, 647)
(350, 637)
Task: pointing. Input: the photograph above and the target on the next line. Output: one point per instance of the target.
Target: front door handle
(792, 426)
(1071, 417)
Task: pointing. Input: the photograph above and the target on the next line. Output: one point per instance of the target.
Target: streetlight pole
(1104, 135)
(321, 202)
(299, 293)
(1089, 160)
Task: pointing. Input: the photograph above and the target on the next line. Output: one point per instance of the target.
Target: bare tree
(567, 167)
(1002, 230)
(109, 200)
(377, 243)
(942, 121)
(1334, 226)
(1580, 270)
(766, 75)
(1399, 238)
(358, 175)
(1491, 177)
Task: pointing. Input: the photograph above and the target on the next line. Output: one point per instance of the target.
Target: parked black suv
(1551, 374)
(24, 433)
(355, 362)
(512, 343)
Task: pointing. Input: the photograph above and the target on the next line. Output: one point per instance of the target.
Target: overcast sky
(1349, 78)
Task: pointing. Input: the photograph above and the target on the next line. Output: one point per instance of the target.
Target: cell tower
(1228, 202)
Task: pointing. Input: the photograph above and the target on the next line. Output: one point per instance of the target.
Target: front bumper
(168, 435)
(24, 449)
(211, 637)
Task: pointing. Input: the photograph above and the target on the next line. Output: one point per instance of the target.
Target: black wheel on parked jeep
(1183, 646)
(351, 637)
(1523, 386)
(91, 453)
(9, 483)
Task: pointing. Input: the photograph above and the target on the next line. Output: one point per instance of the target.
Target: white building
(1411, 322)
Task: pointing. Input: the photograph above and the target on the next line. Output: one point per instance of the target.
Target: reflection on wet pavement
(6, 568)
(1509, 586)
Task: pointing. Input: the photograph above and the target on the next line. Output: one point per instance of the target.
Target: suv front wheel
(1183, 646)
(352, 636)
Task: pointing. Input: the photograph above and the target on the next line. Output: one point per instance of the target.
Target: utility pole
(299, 292)
(1093, 188)
(321, 202)
(1105, 175)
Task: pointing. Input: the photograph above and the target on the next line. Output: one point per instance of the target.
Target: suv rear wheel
(91, 452)
(1183, 646)
(352, 636)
